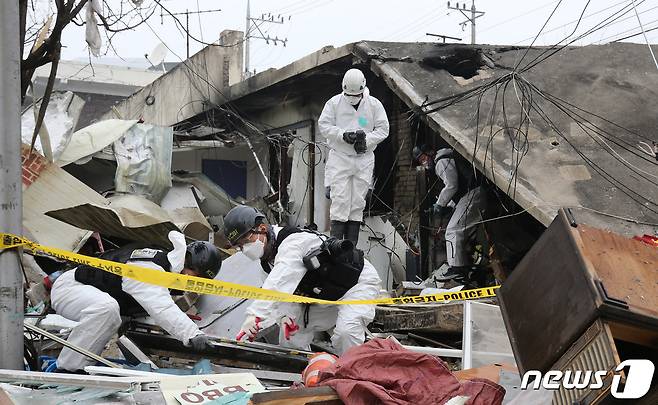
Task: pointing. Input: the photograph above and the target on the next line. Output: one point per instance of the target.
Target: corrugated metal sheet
(55, 189)
(128, 217)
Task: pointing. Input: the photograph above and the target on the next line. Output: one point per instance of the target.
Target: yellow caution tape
(217, 287)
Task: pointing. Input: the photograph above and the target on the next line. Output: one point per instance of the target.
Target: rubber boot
(352, 231)
(338, 229)
(456, 272)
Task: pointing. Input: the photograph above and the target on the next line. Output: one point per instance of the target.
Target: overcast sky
(316, 23)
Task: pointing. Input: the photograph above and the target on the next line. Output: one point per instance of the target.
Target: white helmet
(354, 82)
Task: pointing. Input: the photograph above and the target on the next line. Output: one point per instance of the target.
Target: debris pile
(569, 299)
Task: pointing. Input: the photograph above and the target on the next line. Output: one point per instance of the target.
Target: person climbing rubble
(354, 123)
(98, 299)
(462, 187)
(309, 264)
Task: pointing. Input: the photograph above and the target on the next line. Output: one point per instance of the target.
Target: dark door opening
(231, 175)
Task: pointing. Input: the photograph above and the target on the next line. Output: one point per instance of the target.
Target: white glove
(177, 255)
(289, 327)
(250, 328)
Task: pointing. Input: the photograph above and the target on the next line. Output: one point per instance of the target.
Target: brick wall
(33, 164)
(402, 133)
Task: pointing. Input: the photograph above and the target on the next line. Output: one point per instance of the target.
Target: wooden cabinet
(581, 287)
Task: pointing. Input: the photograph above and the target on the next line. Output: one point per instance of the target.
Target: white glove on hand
(289, 326)
(176, 256)
(250, 328)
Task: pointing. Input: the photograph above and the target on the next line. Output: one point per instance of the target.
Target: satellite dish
(158, 54)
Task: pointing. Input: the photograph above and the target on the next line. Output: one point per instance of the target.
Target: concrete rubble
(576, 292)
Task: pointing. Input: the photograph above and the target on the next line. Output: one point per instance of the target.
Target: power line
(572, 22)
(547, 53)
(615, 35)
(542, 28)
(628, 30)
(312, 7)
(187, 22)
(180, 24)
(634, 35)
(413, 25)
(292, 6)
(488, 28)
(644, 34)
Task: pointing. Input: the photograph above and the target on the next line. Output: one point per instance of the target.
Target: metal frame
(113, 383)
(71, 346)
(467, 336)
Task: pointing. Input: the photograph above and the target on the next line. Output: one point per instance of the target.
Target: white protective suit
(467, 211)
(349, 321)
(98, 313)
(348, 174)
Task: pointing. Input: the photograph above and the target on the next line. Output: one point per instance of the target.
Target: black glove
(199, 342)
(349, 137)
(360, 142)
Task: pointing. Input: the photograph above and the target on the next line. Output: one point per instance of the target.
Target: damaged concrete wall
(298, 117)
(301, 188)
(179, 94)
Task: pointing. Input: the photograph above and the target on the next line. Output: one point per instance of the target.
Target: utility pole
(474, 15)
(246, 41)
(256, 22)
(11, 209)
(187, 22)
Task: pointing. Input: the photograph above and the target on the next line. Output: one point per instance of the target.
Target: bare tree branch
(49, 50)
(46, 95)
(127, 28)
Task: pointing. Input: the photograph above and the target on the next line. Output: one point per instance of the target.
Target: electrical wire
(555, 48)
(634, 35)
(516, 65)
(605, 39)
(516, 133)
(490, 27)
(180, 24)
(644, 34)
(572, 22)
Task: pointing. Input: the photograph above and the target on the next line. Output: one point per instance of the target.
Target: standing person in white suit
(354, 123)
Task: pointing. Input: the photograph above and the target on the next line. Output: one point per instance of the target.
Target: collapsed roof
(570, 127)
(570, 131)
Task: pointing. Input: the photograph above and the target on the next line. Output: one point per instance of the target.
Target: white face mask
(254, 250)
(353, 100)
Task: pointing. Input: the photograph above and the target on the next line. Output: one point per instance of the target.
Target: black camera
(321, 256)
(360, 143)
(338, 246)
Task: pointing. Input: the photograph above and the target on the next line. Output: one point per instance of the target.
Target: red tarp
(383, 372)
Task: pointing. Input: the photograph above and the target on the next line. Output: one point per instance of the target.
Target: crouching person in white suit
(97, 299)
(282, 252)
